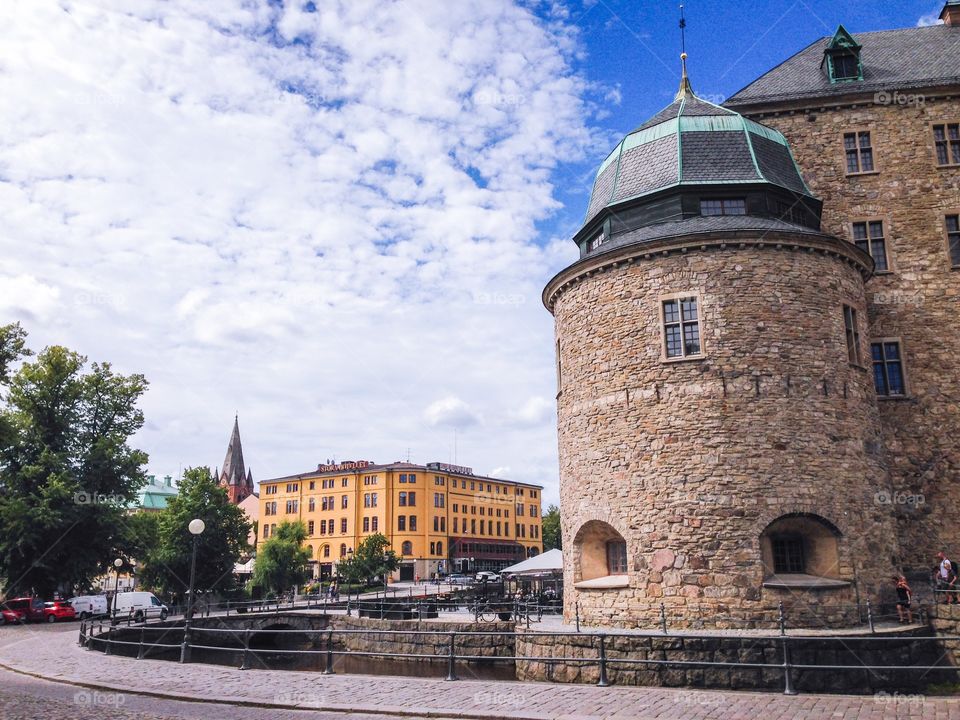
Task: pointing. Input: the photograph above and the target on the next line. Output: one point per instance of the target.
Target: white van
(89, 605)
(140, 606)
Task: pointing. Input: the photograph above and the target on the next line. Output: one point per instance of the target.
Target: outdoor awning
(547, 564)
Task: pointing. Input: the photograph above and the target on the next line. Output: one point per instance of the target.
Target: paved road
(52, 652)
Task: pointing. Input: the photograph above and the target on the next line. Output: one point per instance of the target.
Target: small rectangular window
(343, 526)
(868, 236)
(723, 206)
(787, 554)
(413, 523)
(366, 524)
(859, 152)
(953, 239)
(376, 524)
(616, 557)
(946, 138)
(401, 523)
(853, 334)
(681, 328)
(845, 67)
(596, 241)
(888, 368)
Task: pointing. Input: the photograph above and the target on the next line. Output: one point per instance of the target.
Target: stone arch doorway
(599, 556)
(800, 544)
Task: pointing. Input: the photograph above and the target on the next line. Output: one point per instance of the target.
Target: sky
(335, 219)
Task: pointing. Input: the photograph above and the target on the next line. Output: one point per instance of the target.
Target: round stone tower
(719, 442)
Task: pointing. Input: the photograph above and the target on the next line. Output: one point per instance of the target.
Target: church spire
(234, 475)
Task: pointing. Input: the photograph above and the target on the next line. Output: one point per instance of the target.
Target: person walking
(904, 598)
(946, 579)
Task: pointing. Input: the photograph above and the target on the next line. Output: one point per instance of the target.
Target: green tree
(551, 529)
(67, 470)
(282, 560)
(166, 566)
(371, 559)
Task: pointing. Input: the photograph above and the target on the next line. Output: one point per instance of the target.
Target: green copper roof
(693, 142)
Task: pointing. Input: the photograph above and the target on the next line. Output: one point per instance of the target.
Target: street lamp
(118, 563)
(349, 582)
(195, 527)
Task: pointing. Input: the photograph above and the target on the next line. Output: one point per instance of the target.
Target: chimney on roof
(951, 13)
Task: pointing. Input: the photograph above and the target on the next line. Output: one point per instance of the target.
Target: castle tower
(234, 476)
(719, 440)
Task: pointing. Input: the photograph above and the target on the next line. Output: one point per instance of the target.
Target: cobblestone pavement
(56, 656)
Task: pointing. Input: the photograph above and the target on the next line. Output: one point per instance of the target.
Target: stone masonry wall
(690, 461)
(918, 301)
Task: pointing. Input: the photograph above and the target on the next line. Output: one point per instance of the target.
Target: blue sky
(336, 218)
(633, 47)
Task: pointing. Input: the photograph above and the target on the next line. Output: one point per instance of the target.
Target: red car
(27, 609)
(9, 617)
(59, 610)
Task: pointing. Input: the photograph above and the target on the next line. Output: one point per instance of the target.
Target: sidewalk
(57, 657)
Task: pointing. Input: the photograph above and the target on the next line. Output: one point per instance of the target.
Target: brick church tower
(234, 476)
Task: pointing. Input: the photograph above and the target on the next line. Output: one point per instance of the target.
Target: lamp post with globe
(195, 527)
(117, 564)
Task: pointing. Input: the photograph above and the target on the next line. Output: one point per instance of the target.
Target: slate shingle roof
(892, 60)
(692, 141)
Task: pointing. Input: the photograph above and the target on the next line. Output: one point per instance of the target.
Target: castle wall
(917, 301)
(690, 461)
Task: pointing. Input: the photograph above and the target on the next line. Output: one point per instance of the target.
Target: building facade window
(438, 500)
(376, 524)
(946, 139)
(723, 206)
(439, 548)
(270, 490)
(859, 152)
(344, 501)
(401, 523)
(433, 548)
(413, 523)
(681, 327)
(366, 500)
(311, 504)
(310, 527)
(406, 548)
(343, 550)
(291, 506)
(343, 526)
(366, 524)
(616, 557)
(373, 499)
(596, 241)
(852, 330)
(403, 499)
(787, 554)
(888, 368)
(326, 551)
(868, 236)
(953, 239)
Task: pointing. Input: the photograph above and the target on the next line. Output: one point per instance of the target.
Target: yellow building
(439, 518)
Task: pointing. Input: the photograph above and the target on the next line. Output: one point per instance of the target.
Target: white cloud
(320, 220)
(931, 18)
(535, 411)
(450, 412)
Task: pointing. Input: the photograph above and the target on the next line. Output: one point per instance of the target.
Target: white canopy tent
(539, 567)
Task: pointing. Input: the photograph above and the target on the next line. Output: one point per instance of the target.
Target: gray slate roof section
(891, 59)
(602, 189)
(776, 164)
(699, 224)
(709, 156)
(668, 113)
(648, 167)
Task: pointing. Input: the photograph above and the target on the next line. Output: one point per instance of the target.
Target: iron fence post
(576, 610)
(244, 661)
(140, 646)
(108, 649)
(781, 618)
(873, 630)
(80, 639)
(452, 657)
(787, 674)
(528, 616)
(329, 669)
(602, 682)
(663, 618)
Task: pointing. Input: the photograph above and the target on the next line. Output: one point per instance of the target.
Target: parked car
(28, 609)
(9, 617)
(89, 605)
(487, 576)
(58, 610)
(458, 579)
(139, 606)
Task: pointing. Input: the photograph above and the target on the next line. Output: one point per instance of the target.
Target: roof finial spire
(685, 88)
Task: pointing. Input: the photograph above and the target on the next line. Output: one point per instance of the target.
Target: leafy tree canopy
(166, 566)
(551, 529)
(67, 470)
(282, 560)
(372, 558)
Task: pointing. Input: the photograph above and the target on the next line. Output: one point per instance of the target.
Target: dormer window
(723, 206)
(597, 240)
(841, 58)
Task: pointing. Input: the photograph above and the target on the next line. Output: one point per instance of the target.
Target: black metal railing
(458, 646)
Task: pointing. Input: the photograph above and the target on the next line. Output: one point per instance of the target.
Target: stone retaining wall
(580, 664)
(469, 639)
